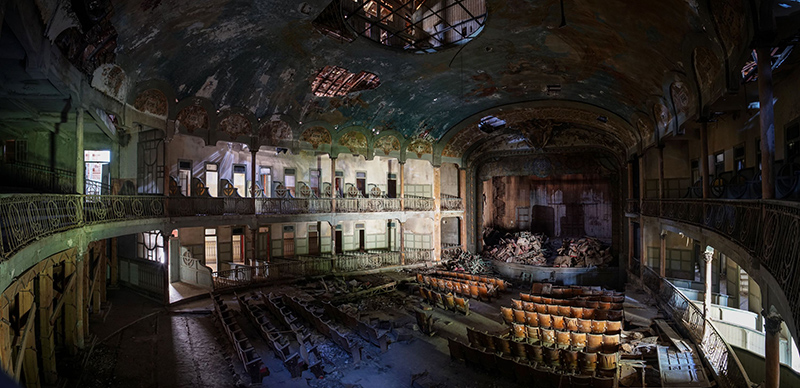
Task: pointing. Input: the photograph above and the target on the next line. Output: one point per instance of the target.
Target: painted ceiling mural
(263, 57)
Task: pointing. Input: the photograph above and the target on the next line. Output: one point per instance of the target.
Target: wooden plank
(674, 337)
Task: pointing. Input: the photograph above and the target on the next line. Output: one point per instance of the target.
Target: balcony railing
(25, 218)
(38, 177)
(767, 229)
(418, 204)
(451, 202)
(727, 369)
(311, 265)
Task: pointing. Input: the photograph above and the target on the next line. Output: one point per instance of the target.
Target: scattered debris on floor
(521, 247)
(468, 262)
(583, 252)
(536, 249)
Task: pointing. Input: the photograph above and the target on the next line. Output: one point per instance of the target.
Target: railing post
(772, 348)
(662, 260)
(402, 243)
(401, 182)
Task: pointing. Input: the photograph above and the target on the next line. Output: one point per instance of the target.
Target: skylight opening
(750, 68)
(490, 124)
(417, 25)
(334, 81)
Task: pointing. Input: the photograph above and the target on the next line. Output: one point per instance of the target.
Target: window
(415, 25)
(361, 183)
(237, 246)
(313, 179)
(15, 151)
(338, 184)
(150, 246)
(211, 248)
(719, 162)
(738, 157)
(239, 179)
(212, 179)
(266, 180)
(289, 179)
(185, 176)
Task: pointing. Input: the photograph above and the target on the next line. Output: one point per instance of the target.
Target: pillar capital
(708, 256)
(772, 320)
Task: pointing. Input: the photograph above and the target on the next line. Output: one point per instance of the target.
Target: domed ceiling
(637, 61)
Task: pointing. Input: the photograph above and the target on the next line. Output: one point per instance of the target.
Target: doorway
(391, 186)
(313, 239)
(288, 241)
(361, 183)
(338, 241)
(211, 249)
(262, 244)
(361, 240)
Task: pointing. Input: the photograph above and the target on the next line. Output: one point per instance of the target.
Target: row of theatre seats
(593, 301)
(569, 360)
(469, 288)
(366, 331)
(326, 327)
(445, 301)
(241, 344)
(308, 350)
(275, 337)
(557, 322)
(552, 290)
(501, 284)
(608, 343)
(610, 312)
(534, 373)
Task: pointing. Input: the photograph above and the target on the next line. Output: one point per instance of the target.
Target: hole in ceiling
(422, 26)
(334, 81)
(330, 23)
(490, 124)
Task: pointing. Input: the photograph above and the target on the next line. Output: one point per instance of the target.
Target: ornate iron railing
(38, 177)
(451, 202)
(415, 256)
(418, 204)
(767, 229)
(193, 206)
(25, 218)
(367, 205)
(728, 371)
(304, 266)
(293, 205)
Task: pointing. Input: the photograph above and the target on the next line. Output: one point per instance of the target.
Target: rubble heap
(467, 262)
(521, 247)
(584, 252)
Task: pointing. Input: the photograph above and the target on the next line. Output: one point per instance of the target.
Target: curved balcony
(767, 230)
(451, 203)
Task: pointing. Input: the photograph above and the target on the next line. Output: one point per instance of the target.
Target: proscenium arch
(614, 119)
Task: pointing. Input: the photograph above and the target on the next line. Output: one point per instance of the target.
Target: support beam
(437, 213)
(6, 335)
(84, 306)
(643, 235)
(26, 357)
(704, 177)
(662, 255)
(71, 308)
(401, 181)
(44, 299)
(334, 193)
(767, 120)
(401, 232)
(80, 165)
(772, 355)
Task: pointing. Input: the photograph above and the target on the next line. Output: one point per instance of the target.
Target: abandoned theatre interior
(395, 193)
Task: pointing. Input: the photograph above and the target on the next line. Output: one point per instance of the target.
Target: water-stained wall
(560, 206)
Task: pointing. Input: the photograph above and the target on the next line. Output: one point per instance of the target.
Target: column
(333, 239)
(402, 237)
(462, 231)
(630, 221)
(44, 301)
(80, 165)
(462, 187)
(401, 182)
(83, 266)
(253, 174)
(103, 267)
(661, 171)
(71, 308)
(333, 202)
(662, 255)
(767, 120)
(437, 213)
(643, 242)
(704, 159)
(772, 354)
(167, 165)
(708, 256)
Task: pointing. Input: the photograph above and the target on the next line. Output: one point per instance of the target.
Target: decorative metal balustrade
(418, 204)
(767, 229)
(311, 265)
(37, 177)
(25, 218)
(727, 370)
(451, 202)
(367, 205)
